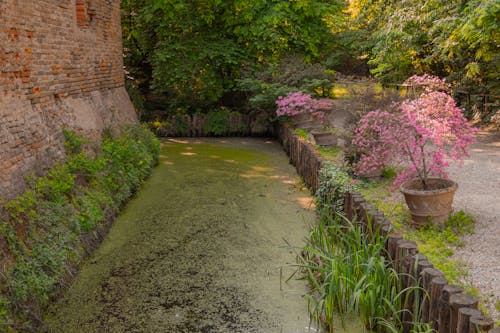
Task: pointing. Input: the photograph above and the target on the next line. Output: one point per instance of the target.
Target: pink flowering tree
(423, 135)
(370, 139)
(427, 83)
(296, 103)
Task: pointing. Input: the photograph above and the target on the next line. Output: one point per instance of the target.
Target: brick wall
(60, 67)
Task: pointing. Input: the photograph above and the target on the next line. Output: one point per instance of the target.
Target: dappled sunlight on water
(278, 177)
(188, 154)
(262, 169)
(253, 175)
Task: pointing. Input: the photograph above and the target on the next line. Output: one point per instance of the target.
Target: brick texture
(61, 67)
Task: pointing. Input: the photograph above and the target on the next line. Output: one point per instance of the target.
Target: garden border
(447, 308)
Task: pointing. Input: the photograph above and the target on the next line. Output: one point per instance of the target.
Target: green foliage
(301, 133)
(194, 51)
(436, 243)
(261, 94)
(218, 122)
(330, 153)
(135, 96)
(350, 276)
(334, 183)
(193, 54)
(73, 142)
(454, 39)
(176, 125)
(41, 228)
(389, 172)
(290, 75)
(311, 77)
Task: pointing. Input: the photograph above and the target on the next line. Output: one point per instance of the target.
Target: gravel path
(479, 194)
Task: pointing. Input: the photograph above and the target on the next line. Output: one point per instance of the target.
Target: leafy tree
(192, 52)
(457, 39)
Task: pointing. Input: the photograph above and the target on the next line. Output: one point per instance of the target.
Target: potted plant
(423, 135)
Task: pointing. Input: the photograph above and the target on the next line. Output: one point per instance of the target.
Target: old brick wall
(61, 67)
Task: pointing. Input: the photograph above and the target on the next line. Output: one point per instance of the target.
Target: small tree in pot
(422, 134)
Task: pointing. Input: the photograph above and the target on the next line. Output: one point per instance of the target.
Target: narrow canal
(201, 248)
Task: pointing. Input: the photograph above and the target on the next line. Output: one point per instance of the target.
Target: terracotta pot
(433, 205)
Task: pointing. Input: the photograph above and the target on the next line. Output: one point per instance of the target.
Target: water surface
(201, 248)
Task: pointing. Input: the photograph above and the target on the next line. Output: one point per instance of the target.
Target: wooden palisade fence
(446, 307)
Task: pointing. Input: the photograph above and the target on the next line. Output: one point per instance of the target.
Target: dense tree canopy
(451, 38)
(193, 53)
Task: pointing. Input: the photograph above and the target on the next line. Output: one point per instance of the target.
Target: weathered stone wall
(61, 67)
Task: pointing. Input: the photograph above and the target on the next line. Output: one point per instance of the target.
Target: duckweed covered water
(200, 248)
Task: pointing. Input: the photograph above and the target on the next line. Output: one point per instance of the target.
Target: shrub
(41, 229)
(334, 183)
(218, 122)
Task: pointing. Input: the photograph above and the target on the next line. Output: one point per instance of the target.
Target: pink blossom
(428, 82)
(296, 103)
(421, 134)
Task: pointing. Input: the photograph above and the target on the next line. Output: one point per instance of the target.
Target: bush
(41, 230)
(218, 122)
(334, 183)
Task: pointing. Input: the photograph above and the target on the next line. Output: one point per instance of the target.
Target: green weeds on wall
(42, 230)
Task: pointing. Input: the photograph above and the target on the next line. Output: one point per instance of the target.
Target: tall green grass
(350, 276)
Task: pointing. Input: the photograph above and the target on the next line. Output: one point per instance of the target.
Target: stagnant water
(201, 248)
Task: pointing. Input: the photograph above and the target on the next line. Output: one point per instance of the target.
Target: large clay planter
(432, 205)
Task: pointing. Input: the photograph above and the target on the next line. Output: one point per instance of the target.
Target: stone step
(308, 125)
(325, 139)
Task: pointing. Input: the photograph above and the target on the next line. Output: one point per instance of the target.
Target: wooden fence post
(458, 301)
(347, 206)
(427, 275)
(444, 307)
(392, 242)
(404, 248)
(464, 315)
(436, 288)
(480, 324)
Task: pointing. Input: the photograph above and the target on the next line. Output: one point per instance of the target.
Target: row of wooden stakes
(445, 306)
